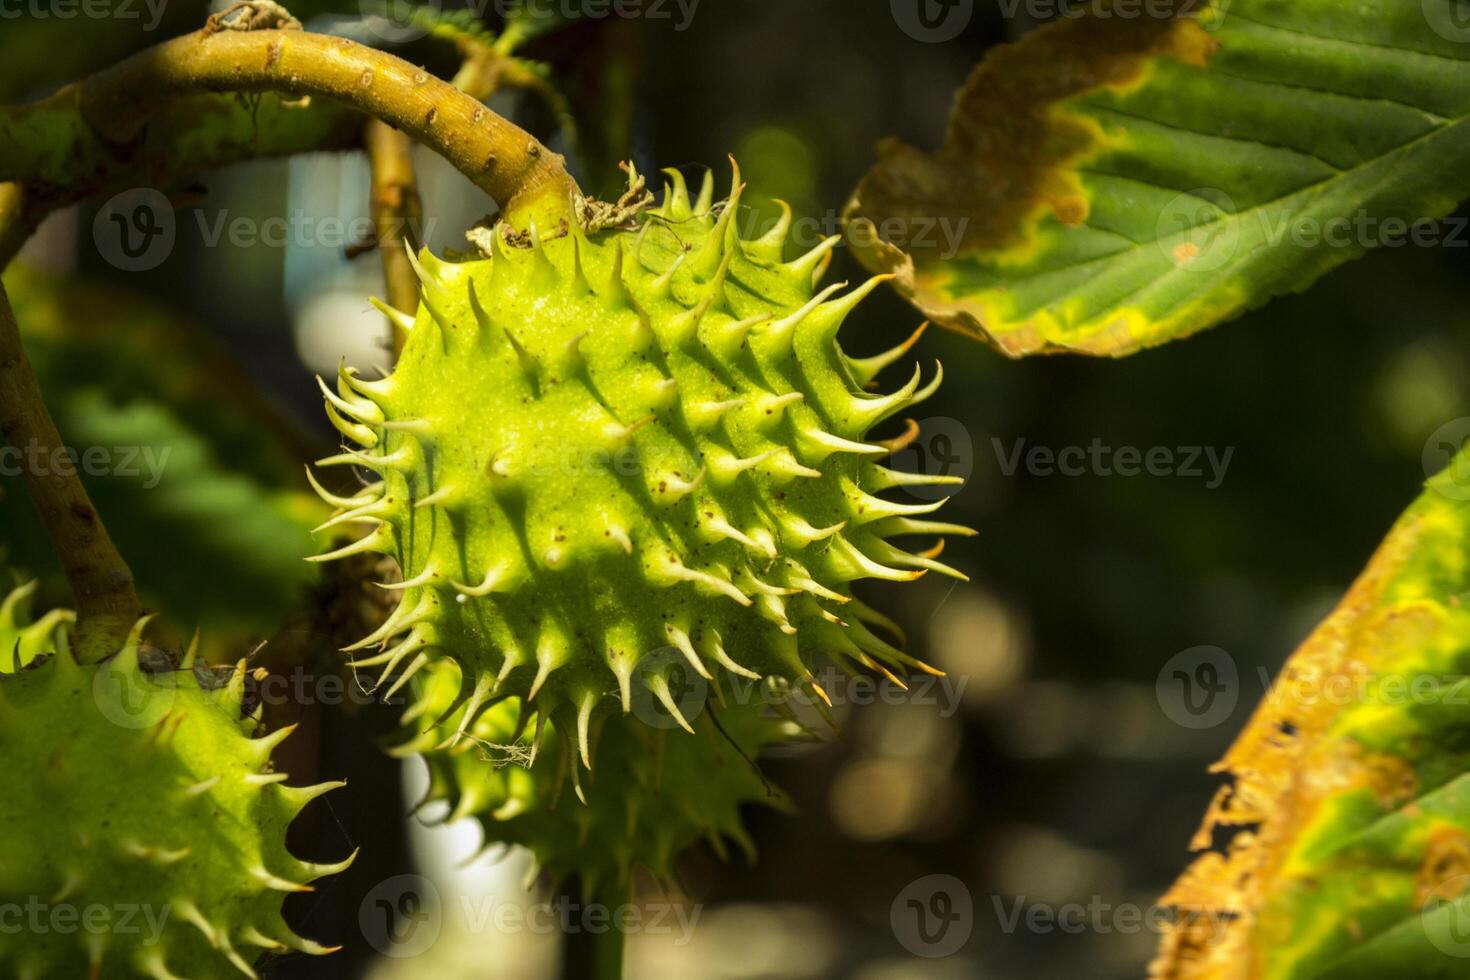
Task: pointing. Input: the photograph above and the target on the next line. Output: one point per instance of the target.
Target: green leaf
(1109, 183)
(1347, 819)
(196, 478)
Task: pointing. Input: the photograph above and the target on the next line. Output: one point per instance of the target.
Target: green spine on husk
(21, 639)
(137, 791)
(598, 447)
(651, 794)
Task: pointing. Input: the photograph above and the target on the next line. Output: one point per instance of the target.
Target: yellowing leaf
(1346, 824)
(1110, 183)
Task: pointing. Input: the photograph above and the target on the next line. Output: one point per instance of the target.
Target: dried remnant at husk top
(595, 448)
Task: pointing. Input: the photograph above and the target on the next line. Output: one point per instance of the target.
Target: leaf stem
(397, 214)
(609, 951)
(588, 954)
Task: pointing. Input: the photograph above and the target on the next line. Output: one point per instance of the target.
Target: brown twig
(528, 181)
(175, 109)
(107, 605)
(397, 216)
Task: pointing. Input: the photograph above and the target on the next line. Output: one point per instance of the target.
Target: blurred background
(1053, 774)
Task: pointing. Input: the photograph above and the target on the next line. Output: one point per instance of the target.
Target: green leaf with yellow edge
(196, 477)
(1111, 182)
(1341, 846)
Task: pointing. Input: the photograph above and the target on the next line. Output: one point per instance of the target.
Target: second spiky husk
(138, 804)
(650, 794)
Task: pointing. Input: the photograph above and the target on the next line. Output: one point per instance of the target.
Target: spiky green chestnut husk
(21, 639)
(650, 795)
(594, 448)
(137, 797)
